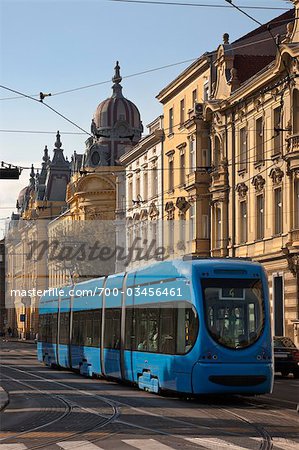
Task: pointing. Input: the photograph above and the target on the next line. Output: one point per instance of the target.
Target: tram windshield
(234, 310)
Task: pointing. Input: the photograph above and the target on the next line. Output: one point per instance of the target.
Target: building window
(137, 187)
(205, 226)
(170, 126)
(259, 139)
(192, 223)
(182, 224)
(260, 216)
(182, 111)
(170, 175)
(130, 189)
(217, 152)
(154, 181)
(170, 225)
(296, 205)
(243, 156)
(182, 168)
(218, 226)
(295, 111)
(278, 210)
(206, 91)
(145, 185)
(278, 135)
(243, 222)
(192, 159)
(194, 97)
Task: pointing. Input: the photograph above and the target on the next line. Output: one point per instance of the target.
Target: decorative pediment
(182, 204)
(144, 214)
(242, 189)
(170, 208)
(258, 182)
(95, 182)
(153, 210)
(277, 175)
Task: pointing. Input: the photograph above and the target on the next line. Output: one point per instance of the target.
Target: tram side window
(112, 328)
(64, 326)
(76, 328)
(96, 327)
(53, 328)
(187, 328)
(141, 329)
(48, 328)
(86, 328)
(167, 327)
(130, 341)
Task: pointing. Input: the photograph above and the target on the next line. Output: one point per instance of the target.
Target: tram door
(127, 328)
(111, 327)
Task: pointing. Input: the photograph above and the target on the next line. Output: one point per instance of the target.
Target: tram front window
(234, 311)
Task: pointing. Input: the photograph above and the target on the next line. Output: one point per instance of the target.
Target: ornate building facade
(97, 189)
(144, 188)
(26, 272)
(254, 183)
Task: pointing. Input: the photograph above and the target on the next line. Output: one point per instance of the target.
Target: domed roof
(23, 193)
(117, 108)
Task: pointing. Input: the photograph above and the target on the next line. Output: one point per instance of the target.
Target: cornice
(184, 79)
(262, 78)
(142, 147)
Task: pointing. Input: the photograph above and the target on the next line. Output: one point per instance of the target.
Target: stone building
(254, 115)
(26, 269)
(186, 156)
(144, 188)
(96, 191)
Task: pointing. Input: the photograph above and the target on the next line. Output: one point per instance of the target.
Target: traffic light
(9, 173)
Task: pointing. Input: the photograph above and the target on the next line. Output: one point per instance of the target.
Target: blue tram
(190, 326)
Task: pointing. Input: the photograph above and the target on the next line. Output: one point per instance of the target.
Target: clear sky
(52, 46)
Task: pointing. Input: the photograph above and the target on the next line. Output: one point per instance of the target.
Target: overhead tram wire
(241, 10)
(47, 106)
(198, 5)
(150, 70)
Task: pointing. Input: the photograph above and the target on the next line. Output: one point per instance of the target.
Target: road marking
(13, 447)
(285, 444)
(73, 445)
(215, 444)
(146, 444)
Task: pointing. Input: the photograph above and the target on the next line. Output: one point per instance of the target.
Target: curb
(4, 398)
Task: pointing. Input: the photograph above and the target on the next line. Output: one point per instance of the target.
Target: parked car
(286, 356)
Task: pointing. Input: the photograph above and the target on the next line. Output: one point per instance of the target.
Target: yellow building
(186, 158)
(255, 156)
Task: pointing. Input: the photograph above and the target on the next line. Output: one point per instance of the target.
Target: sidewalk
(23, 341)
(4, 398)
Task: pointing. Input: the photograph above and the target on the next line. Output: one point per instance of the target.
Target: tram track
(261, 432)
(69, 407)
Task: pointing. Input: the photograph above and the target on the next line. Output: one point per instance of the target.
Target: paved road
(56, 409)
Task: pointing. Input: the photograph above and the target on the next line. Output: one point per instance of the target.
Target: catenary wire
(156, 68)
(198, 5)
(47, 106)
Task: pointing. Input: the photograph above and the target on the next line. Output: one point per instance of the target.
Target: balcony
(292, 155)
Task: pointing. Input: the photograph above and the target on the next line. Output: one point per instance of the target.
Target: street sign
(22, 317)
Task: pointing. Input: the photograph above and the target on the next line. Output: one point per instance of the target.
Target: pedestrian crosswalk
(153, 444)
